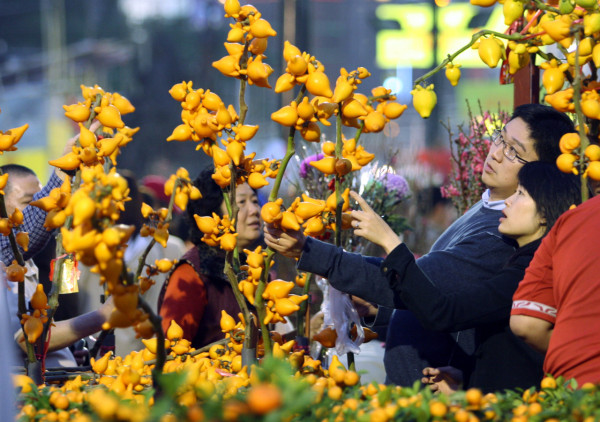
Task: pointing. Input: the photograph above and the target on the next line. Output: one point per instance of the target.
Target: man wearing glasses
(471, 249)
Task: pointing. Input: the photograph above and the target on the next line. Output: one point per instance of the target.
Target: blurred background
(140, 48)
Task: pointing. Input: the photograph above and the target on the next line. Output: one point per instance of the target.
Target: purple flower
(305, 166)
(395, 184)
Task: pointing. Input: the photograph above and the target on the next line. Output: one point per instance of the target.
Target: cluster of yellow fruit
(249, 28)
(218, 231)
(354, 157)
(93, 149)
(13, 220)
(33, 323)
(279, 302)
(570, 159)
(205, 117)
(354, 107)
(314, 215)
(255, 265)
(184, 191)
(156, 224)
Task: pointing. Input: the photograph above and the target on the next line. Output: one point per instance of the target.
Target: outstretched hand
(369, 225)
(287, 243)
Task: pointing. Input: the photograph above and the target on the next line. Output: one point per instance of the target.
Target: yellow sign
(412, 44)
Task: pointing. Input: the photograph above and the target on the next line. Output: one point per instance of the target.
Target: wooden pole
(527, 84)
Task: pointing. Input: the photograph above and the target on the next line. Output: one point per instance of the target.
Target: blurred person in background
(22, 188)
(125, 338)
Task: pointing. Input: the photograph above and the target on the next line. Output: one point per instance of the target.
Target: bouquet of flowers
(378, 184)
(469, 151)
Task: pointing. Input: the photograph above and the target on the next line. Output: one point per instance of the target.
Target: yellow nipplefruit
(453, 73)
(491, 50)
(228, 241)
(568, 142)
(261, 28)
(271, 211)
(110, 116)
(393, 110)
(86, 137)
(424, 100)
(257, 181)
(77, 112)
(318, 84)
(374, 122)
(306, 210)
(232, 8)
(286, 116)
(181, 133)
(83, 210)
(69, 161)
(227, 322)
(174, 331)
(592, 152)
(311, 132)
(564, 162)
(325, 165)
(289, 221)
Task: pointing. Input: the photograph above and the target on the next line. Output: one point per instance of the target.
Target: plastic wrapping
(339, 312)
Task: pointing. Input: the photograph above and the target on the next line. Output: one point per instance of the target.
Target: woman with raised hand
(502, 361)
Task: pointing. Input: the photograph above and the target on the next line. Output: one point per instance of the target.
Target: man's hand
(365, 309)
(369, 225)
(446, 379)
(288, 243)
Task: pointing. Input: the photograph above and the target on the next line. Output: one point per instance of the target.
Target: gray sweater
(471, 249)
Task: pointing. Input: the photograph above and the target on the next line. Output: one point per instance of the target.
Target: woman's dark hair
(132, 213)
(552, 190)
(212, 198)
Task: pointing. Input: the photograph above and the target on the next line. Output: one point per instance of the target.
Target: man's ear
(543, 222)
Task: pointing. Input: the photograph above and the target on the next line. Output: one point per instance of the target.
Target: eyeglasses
(509, 151)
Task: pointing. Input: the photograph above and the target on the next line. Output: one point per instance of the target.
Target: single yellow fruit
(318, 84)
(424, 100)
(174, 331)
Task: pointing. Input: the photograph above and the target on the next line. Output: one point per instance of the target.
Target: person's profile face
(521, 220)
(499, 172)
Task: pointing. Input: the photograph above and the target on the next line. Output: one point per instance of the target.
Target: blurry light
(393, 83)
(222, 1)
(442, 3)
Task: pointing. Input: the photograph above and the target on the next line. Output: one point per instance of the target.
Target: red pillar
(527, 84)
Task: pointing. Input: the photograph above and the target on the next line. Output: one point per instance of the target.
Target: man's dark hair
(546, 127)
(552, 190)
(15, 170)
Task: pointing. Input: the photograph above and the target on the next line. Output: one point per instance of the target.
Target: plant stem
(474, 38)
(161, 353)
(580, 119)
(303, 306)
(22, 306)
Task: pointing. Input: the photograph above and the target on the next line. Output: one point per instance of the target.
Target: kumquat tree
(252, 374)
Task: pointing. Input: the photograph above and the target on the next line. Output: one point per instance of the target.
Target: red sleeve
(185, 300)
(535, 295)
